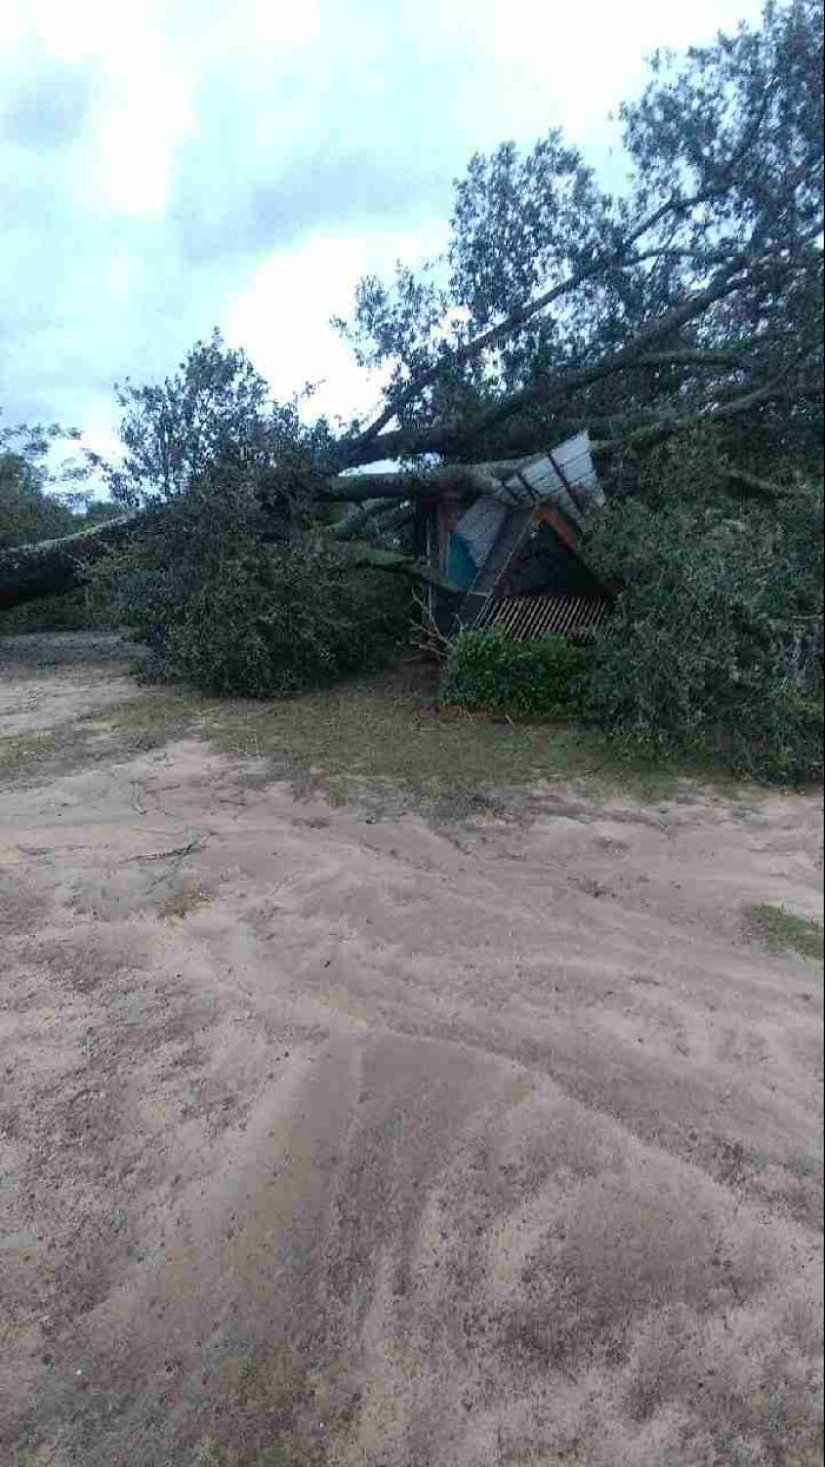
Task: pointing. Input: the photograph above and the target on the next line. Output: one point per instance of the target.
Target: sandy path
(332, 1142)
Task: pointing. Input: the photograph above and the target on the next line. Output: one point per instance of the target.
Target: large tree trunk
(53, 566)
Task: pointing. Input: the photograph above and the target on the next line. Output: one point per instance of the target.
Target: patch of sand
(49, 680)
(334, 1142)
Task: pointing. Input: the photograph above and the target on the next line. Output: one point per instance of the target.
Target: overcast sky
(169, 167)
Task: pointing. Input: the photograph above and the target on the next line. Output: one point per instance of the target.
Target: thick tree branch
(352, 488)
(376, 517)
(759, 488)
(773, 391)
(706, 358)
(454, 435)
(618, 257)
(397, 563)
(350, 525)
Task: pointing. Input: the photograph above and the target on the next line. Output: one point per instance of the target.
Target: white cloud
(538, 66)
(245, 163)
(273, 28)
(144, 93)
(282, 317)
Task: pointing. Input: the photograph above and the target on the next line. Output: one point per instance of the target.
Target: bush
(237, 613)
(272, 623)
(74, 611)
(717, 639)
(521, 679)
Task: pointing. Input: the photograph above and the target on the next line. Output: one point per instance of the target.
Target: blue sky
(169, 167)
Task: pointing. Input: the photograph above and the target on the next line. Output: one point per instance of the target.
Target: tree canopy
(692, 293)
(695, 292)
(28, 512)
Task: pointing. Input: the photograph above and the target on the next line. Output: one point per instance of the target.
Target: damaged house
(513, 555)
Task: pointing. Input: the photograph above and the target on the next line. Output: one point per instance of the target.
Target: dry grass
(28, 752)
(348, 740)
(187, 898)
(810, 1456)
(148, 721)
(546, 1457)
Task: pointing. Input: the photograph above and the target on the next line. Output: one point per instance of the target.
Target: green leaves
(216, 412)
(241, 600)
(717, 640)
(27, 511)
(519, 679)
(545, 277)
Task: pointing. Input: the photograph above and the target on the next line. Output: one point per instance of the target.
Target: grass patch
(147, 722)
(155, 717)
(780, 931)
(265, 1393)
(376, 745)
(546, 1457)
(28, 752)
(350, 739)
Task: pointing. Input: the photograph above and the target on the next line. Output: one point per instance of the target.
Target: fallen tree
(695, 297)
(378, 504)
(382, 503)
(54, 566)
(680, 322)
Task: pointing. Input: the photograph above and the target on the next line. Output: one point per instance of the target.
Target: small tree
(216, 409)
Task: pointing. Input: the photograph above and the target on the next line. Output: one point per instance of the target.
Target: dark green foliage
(35, 504)
(27, 512)
(244, 599)
(717, 640)
(275, 621)
(521, 679)
(75, 611)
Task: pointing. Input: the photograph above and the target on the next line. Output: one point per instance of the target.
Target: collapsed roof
(482, 547)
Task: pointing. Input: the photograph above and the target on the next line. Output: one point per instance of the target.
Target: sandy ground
(325, 1141)
(46, 681)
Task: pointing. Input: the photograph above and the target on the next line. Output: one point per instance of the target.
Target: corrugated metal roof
(566, 476)
(514, 530)
(551, 614)
(479, 526)
(574, 459)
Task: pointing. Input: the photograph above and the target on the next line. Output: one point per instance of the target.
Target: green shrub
(522, 679)
(27, 511)
(717, 640)
(275, 622)
(74, 611)
(245, 602)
